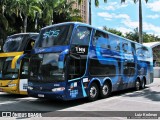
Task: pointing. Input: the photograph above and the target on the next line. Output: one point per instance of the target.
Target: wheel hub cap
(93, 92)
(105, 90)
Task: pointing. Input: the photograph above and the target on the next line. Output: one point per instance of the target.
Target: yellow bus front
(10, 80)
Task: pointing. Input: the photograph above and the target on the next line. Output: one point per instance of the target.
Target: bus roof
(87, 25)
(30, 33)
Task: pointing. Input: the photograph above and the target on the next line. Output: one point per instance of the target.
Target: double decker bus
(74, 60)
(14, 62)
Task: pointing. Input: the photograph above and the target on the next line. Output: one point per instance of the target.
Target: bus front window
(53, 36)
(45, 67)
(13, 44)
(7, 72)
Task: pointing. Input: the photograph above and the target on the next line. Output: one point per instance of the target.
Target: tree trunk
(36, 21)
(90, 13)
(140, 22)
(25, 23)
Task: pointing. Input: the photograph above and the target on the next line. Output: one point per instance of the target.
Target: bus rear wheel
(143, 84)
(93, 92)
(137, 85)
(105, 90)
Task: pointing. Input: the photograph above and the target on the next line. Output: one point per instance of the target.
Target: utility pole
(90, 14)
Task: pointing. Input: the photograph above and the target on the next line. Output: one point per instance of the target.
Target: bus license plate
(40, 95)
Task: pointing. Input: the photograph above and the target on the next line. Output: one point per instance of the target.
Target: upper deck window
(13, 44)
(143, 51)
(18, 42)
(56, 35)
(114, 43)
(101, 39)
(81, 36)
(126, 47)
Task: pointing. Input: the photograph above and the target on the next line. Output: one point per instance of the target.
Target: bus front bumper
(47, 95)
(9, 86)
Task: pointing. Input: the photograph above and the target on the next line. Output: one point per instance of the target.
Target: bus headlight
(30, 88)
(58, 89)
(11, 85)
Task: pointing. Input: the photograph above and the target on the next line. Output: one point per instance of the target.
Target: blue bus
(74, 60)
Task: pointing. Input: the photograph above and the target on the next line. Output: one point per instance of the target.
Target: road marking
(27, 98)
(7, 102)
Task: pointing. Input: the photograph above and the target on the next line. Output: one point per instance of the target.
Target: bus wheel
(106, 90)
(143, 84)
(137, 85)
(93, 92)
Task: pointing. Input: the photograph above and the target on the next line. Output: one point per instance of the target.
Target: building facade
(83, 7)
(156, 54)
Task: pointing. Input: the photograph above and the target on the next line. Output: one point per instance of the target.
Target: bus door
(23, 83)
(2, 60)
(77, 60)
(129, 64)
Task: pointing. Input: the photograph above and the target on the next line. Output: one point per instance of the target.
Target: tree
(48, 8)
(96, 2)
(114, 31)
(146, 37)
(133, 35)
(5, 6)
(25, 9)
(65, 12)
(140, 19)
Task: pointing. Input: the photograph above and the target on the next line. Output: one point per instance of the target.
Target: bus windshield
(45, 67)
(7, 72)
(13, 43)
(56, 35)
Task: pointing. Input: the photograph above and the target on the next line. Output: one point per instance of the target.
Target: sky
(124, 17)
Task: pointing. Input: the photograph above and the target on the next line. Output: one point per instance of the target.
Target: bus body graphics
(75, 60)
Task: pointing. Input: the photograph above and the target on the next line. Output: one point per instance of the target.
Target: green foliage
(134, 35)
(31, 15)
(114, 31)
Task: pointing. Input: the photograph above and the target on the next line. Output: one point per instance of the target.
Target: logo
(6, 114)
(80, 50)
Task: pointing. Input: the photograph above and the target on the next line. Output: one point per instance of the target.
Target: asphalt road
(128, 100)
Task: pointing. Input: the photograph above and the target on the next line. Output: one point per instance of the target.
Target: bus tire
(93, 92)
(105, 90)
(143, 84)
(137, 85)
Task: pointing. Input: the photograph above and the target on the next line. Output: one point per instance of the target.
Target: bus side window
(30, 45)
(115, 43)
(82, 36)
(100, 39)
(146, 52)
(139, 51)
(126, 47)
(24, 68)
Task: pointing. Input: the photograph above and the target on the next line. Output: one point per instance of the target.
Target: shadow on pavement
(25, 103)
(7, 96)
(11, 102)
(147, 93)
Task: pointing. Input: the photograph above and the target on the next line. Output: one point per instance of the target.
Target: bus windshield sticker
(14, 39)
(51, 33)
